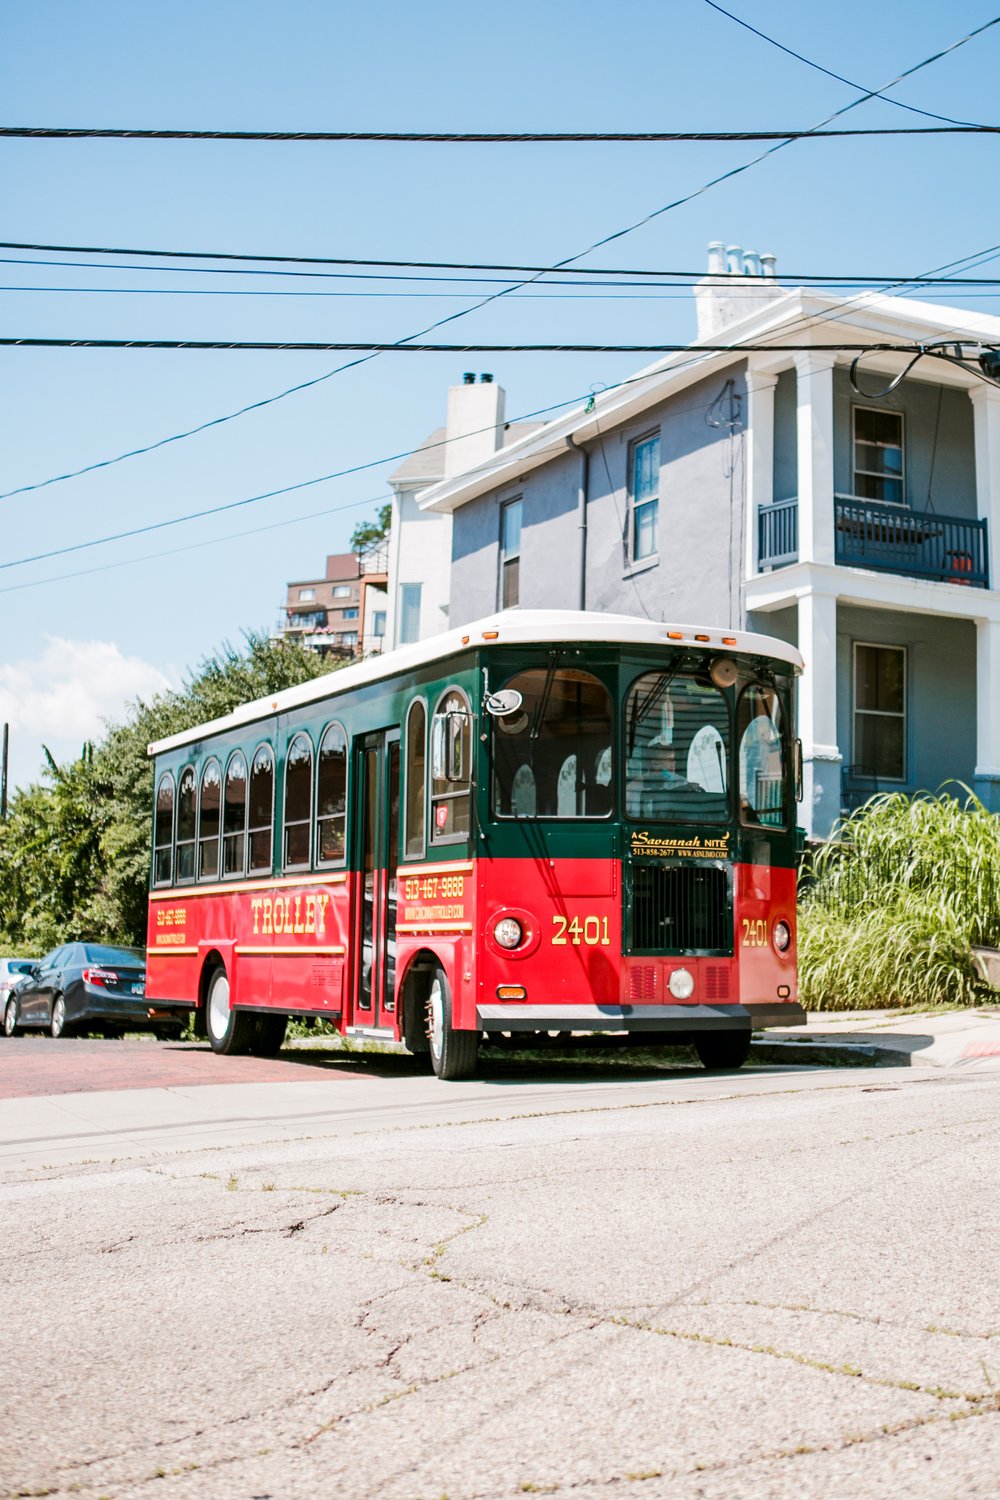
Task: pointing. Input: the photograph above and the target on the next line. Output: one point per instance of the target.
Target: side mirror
(449, 734)
(799, 780)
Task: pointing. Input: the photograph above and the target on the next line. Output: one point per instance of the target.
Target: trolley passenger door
(377, 817)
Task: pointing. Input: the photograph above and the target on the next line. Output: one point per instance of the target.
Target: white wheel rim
(10, 1018)
(58, 1015)
(435, 1019)
(218, 1007)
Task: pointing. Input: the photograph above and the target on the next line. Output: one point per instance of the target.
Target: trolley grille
(680, 908)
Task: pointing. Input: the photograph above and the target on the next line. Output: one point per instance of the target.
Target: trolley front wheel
(453, 1053)
(723, 1051)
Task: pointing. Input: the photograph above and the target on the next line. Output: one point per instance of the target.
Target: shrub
(898, 898)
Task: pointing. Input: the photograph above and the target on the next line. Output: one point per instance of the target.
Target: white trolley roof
(515, 627)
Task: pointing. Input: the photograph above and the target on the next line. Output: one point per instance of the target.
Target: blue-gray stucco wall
(938, 441)
(696, 574)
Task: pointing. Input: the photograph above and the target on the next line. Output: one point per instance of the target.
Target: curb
(834, 1054)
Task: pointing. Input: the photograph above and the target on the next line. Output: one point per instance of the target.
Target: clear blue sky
(75, 646)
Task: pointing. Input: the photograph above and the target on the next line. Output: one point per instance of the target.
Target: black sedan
(84, 985)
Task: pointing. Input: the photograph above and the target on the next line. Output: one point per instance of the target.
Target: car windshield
(131, 958)
(552, 755)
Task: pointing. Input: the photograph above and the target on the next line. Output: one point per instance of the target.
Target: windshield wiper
(543, 702)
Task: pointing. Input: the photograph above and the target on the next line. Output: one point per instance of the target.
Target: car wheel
(270, 1033)
(10, 1018)
(723, 1051)
(168, 1033)
(57, 1024)
(229, 1031)
(453, 1052)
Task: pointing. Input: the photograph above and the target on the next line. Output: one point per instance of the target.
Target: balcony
(884, 539)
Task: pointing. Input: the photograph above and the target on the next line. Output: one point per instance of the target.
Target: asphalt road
(579, 1282)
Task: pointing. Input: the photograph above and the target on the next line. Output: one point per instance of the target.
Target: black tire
(10, 1027)
(168, 1033)
(269, 1034)
(230, 1031)
(723, 1051)
(57, 1023)
(453, 1053)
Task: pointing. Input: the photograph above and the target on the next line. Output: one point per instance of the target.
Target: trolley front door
(376, 810)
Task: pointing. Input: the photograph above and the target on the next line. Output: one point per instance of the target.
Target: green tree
(367, 532)
(75, 850)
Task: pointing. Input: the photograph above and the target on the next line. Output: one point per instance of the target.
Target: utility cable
(477, 138)
(319, 347)
(790, 51)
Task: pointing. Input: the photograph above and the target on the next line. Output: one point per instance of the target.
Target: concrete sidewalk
(880, 1038)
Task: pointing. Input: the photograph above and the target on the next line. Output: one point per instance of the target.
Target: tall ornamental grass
(899, 897)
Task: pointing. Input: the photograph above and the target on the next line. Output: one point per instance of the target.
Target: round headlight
(681, 984)
(782, 936)
(508, 932)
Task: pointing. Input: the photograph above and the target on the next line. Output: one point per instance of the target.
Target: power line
(476, 138)
(790, 51)
(485, 301)
(319, 347)
(673, 278)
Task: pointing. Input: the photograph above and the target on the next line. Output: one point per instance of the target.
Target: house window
(342, 591)
(644, 497)
(510, 554)
(306, 596)
(378, 623)
(409, 613)
(880, 711)
(878, 455)
(349, 614)
(348, 638)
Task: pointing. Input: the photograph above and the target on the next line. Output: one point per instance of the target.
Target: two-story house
(756, 487)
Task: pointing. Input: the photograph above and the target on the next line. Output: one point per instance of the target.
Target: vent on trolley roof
(680, 909)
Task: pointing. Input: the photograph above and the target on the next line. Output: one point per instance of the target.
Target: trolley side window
(187, 818)
(677, 742)
(234, 816)
(209, 821)
(331, 797)
(451, 769)
(298, 802)
(552, 754)
(261, 808)
(416, 778)
(163, 836)
(763, 779)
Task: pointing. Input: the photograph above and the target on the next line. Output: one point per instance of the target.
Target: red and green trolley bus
(545, 822)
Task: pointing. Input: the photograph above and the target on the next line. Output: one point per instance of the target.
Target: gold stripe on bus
(168, 948)
(186, 891)
(432, 927)
(303, 950)
(442, 869)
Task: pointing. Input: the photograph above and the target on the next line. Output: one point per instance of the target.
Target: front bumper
(679, 1019)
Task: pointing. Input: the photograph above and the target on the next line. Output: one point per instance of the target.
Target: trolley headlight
(681, 984)
(508, 932)
(781, 934)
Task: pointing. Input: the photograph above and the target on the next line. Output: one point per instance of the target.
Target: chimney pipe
(468, 378)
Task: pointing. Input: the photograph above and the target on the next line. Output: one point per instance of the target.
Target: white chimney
(738, 282)
(475, 423)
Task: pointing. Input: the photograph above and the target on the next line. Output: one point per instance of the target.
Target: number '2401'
(592, 931)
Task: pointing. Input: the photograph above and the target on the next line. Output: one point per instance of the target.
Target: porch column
(814, 379)
(760, 456)
(821, 755)
(987, 784)
(986, 425)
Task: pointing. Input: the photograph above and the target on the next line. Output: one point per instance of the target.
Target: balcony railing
(778, 533)
(922, 544)
(885, 539)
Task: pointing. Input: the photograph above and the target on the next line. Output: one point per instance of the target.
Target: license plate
(138, 989)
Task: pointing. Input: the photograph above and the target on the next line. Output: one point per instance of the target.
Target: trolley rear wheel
(723, 1051)
(453, 1052)
(229, 1031)
(269, 1035)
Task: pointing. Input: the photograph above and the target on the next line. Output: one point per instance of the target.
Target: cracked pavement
(763, 1294)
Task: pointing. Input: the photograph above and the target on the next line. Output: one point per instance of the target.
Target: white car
(13, 971)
